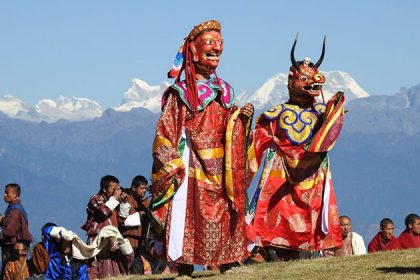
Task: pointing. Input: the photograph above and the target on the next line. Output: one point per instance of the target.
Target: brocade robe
(201, 155)
(294, 206)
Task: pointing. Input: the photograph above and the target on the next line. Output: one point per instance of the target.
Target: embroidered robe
(294, 206)
(198, 179)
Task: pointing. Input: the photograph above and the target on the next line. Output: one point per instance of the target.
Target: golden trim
(207, 25)
(161, 141)
(306, 185)
(211, 153)
(199, 174)
(169, 166)
(228, 156)
(327, 128)
(301, 163)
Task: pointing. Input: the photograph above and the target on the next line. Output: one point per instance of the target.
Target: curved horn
(319, 62)
(292, 52)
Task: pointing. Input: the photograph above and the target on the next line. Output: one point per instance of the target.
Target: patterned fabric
(214, 231)
(332, 124)
(294, 196)
(208, 90)
(346, 249)
(16, 270)
(15, 224)
(298, 123)
(98, 216)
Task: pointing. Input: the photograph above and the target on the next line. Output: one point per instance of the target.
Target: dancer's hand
(247, 110)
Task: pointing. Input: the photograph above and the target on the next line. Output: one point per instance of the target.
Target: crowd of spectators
(121, 241)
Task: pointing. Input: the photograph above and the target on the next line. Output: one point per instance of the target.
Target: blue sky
(94, 48)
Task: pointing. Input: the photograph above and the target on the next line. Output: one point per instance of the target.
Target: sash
(179, 207)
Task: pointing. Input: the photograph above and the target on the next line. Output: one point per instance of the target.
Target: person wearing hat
(198, 183)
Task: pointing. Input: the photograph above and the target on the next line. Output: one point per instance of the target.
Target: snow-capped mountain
(342, 81)
(11, 105)
(48, 110)
(141, 94)
(274, 90)
(68, 108)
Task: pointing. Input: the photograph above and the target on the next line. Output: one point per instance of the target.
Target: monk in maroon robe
(384, 240)
(410, 237)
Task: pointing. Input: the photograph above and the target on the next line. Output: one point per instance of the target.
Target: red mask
(206, 49)
(305, 82)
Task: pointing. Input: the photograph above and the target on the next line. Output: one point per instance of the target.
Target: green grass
(383, 265)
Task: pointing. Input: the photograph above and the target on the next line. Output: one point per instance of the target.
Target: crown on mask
(207, 25)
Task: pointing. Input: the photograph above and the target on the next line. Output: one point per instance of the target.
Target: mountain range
(59, 158)
(142, 95)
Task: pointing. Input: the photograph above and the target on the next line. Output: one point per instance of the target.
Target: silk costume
(204, 151)
(294, 203)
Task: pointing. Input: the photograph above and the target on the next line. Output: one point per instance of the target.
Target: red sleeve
(259, 141)
(167, 163)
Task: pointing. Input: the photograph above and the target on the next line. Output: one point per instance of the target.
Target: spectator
(62, 265)
(384, 240)
(353, 243)
(38, 263)
(102, 210)
(14, 224)
(102, 207)
(17, 267)
(69, 254)
(410, 237)
(133, 216)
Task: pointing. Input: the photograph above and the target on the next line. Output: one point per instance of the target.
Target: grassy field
(385, 265)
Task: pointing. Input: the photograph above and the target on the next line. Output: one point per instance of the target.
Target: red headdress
(184, 61)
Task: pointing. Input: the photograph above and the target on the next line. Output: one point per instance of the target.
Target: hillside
(384, 265)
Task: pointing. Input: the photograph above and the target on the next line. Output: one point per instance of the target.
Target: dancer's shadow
(400, 270)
